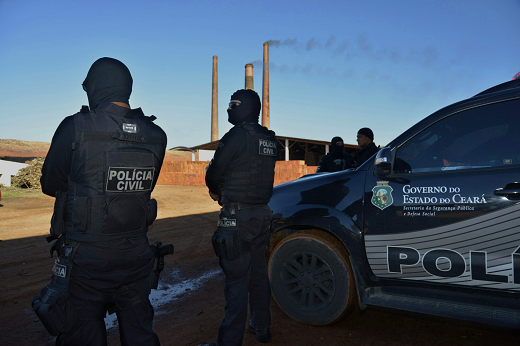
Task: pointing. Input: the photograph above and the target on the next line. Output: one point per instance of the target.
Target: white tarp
(9, 169)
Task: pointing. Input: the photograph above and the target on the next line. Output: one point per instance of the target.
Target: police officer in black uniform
(337, 160)
(365, 139)
(102, 167)
(240, 177)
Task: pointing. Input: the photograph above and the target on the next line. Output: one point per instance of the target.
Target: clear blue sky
(340, 65)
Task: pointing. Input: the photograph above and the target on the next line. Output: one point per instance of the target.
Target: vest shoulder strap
(248, 127)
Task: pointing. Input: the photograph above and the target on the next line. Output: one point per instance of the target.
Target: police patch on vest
(227, 222)
(130, 128)
(121, 179)
(59, 270)
(267, 147)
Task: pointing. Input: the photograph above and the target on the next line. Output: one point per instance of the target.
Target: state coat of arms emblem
(382, 195)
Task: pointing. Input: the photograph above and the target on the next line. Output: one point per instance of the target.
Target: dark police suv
(431, 224)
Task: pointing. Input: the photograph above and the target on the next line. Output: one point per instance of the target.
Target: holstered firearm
(158, 265)
(59, 215)
(58, 230)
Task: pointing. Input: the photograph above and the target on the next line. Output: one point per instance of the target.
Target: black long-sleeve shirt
(56, 168)
(231, 152)
(335, 162)
(365, 153)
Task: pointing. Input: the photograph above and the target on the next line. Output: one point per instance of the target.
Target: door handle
(502, 192)
(511, 189)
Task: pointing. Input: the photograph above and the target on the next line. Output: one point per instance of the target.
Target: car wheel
(311, 278)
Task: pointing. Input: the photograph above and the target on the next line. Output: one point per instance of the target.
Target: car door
(449, 211)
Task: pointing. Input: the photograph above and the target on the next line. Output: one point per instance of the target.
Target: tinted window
(487, 136)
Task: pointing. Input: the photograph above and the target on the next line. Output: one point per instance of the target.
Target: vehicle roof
(501, 87)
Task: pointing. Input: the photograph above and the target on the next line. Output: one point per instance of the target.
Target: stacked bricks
(291, 170)
(186, 173)
(192, 173)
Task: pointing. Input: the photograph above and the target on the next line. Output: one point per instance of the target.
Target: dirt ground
(187, 218)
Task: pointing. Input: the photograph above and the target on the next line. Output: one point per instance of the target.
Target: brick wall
(290, 170)
(193, 172)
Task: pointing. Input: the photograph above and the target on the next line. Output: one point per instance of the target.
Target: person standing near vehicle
(240, 177)
(365, 139)
(337, 160)
(102, 166)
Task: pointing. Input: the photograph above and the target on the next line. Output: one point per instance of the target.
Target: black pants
(246, 275)
(112, 276)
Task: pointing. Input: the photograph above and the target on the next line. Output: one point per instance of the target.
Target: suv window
(487, 136)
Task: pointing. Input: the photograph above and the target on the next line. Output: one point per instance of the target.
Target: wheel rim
(308, 280)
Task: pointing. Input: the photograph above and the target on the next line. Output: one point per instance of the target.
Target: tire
(311, 278)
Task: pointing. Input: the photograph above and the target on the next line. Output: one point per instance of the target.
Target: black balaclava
(249, 109)
(108, 80)
(337, 149)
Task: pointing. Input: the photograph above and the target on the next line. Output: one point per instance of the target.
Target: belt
(232, 207)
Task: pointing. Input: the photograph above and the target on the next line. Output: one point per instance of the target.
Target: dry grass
(29, 177)
(17, 192)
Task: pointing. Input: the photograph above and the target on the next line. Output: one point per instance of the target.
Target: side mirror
(383, 163)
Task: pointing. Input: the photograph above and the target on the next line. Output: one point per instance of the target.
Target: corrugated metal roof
(213, 145)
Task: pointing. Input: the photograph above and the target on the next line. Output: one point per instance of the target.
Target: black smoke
(363, 48)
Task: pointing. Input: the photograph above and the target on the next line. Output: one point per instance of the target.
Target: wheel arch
(314, 217)
(331, 221)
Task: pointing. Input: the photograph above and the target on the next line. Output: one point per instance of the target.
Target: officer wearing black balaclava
(337, 160)
(240, 177)
(102, 166)
(108, 80)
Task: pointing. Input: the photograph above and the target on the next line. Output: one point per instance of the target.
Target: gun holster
(151, 211)
(58, 217)
(226, 243)
(158, 265)
(53, 306)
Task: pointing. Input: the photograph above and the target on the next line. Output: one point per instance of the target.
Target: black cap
(366, 132)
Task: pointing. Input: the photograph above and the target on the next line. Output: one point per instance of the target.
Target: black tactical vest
(253, 183)
(115, 163)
